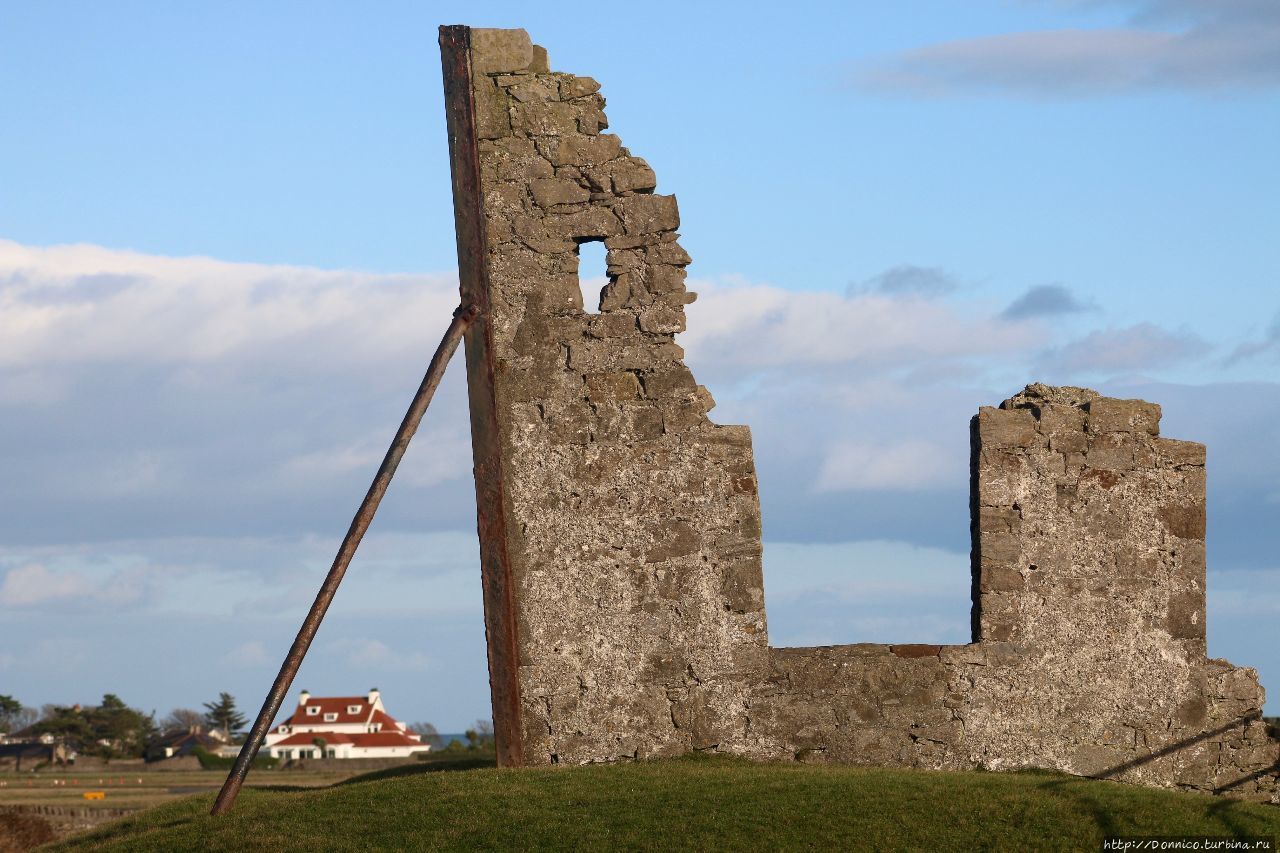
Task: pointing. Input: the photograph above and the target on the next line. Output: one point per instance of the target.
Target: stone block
(591, 223)
(742, 585)
(590, 115)
(1110, 415)
(541, 62)
(663, 279)
(612, 387)
(548, 192)
(997, 577)
(649, 214)
(676, 381)
(577, 87)
(581, 150)
(633, 175)
(998, 519)
(1192, 712)
(1186, 616)
(568, 424)
(1186, 521)
(533, 233)
(1001, 428)
(641, 423)
(660, 319)
(1111, 452)
(614, 325)
(673, 539)
(528, 89)
(1068, 442)
(681, 415)
(499, 51)
(1179, 453)
(1059, 418)
(544, 119)
(1001, 547)
(492, 118)
(523, 169)
(1001, 474)
(668, 253)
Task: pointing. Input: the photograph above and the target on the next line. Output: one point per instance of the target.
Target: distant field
(55, 801)
(684, 804)
(139, 789)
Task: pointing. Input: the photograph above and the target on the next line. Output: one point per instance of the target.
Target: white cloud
(905, 466)
(366, 653)
(1204, 46)
(796, 328)
(250, 654)
(1142, 346)
(34, 584)
(78, 304)
(437, 454)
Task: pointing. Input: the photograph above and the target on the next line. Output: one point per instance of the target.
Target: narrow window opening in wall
(592, 275)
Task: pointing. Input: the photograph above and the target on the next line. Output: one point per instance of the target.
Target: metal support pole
(462, 319)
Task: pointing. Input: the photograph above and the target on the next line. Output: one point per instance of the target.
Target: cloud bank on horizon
(187, 439)
(1166, 45)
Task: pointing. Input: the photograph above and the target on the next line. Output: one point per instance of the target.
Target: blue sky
(226, 252)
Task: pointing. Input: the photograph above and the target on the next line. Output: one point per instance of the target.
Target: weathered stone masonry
(620, 526)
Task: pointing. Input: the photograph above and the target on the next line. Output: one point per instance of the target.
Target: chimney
(302, 699)
(374, 695)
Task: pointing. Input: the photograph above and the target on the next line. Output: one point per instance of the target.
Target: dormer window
(284, 730)
(329, 718)
(313, 710)
(353, 709)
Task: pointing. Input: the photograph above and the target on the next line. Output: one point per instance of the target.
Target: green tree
(109, 730)
(14, 716)
(10, 709)
(320, 744)
(222, 714)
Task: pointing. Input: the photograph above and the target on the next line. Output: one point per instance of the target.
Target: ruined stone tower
(620, 526)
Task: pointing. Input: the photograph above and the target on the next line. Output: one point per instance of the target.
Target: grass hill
(691, 803)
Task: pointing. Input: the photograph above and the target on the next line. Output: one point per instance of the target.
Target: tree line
(112, 729)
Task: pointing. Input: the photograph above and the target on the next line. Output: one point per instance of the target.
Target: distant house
(14, 755)
(174, 744)
(350, 726)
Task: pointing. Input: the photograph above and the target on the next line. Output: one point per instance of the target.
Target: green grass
(690, 804)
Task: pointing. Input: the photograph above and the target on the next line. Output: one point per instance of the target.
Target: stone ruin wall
(631, 522)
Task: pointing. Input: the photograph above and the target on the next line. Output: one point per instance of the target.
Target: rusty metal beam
(491, 509)
(462, 320)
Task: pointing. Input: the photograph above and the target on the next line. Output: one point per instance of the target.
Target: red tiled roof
(364, 739)
(388, 722)
(331, 705)
(384, 739)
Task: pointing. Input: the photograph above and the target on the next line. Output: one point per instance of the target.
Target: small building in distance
(350, 726)
(17, 755)
(177, 743)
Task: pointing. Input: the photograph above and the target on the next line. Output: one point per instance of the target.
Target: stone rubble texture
(633, 523)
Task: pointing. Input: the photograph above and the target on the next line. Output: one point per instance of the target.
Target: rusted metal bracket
(496, 571)
(463, 317)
